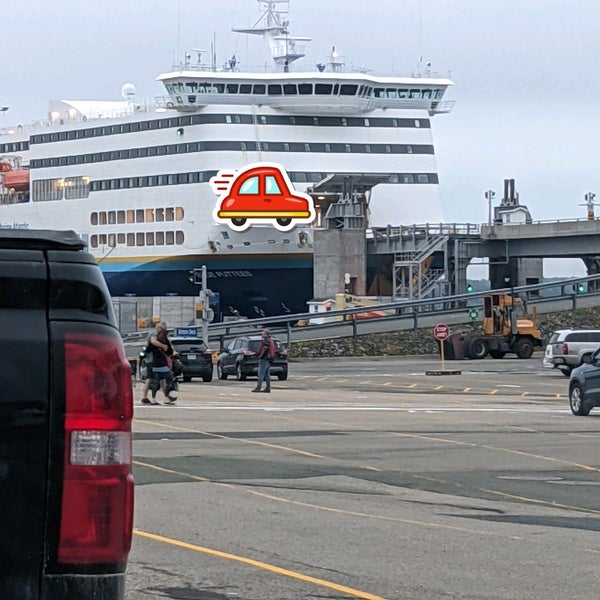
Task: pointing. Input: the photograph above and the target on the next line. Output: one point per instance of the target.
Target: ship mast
(272, 26)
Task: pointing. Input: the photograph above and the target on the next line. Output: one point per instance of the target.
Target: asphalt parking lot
(365, 478)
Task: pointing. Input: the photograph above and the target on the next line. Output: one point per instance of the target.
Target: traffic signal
(580, 288)
(469, 288)
(195, 276)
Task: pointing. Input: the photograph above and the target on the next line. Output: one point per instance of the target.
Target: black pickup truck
(66, 489)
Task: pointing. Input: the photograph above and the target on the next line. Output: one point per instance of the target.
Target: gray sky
(525, 73)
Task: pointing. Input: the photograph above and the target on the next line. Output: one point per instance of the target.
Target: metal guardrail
(401, 315)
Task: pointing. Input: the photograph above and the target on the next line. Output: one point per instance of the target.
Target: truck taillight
(97, 501)
(565, 348)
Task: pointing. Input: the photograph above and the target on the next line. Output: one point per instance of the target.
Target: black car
(240, 359)
(584, 385)
(195, 357)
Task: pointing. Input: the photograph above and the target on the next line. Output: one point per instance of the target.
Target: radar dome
(128, 92)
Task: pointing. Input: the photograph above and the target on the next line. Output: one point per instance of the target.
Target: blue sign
(215, 298)
(186, 331)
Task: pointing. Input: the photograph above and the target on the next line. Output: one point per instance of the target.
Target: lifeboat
(5, 166)
(16, 180)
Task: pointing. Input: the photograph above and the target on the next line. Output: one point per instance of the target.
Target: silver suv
(568, 348)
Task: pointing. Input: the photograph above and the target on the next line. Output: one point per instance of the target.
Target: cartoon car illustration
(260, 193)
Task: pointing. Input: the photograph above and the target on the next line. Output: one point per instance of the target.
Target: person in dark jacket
(266, 354)
(161, 349)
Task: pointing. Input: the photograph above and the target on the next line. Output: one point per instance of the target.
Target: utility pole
(199, 277)
(490, 195)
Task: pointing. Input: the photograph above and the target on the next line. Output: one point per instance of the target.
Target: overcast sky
(525, 73)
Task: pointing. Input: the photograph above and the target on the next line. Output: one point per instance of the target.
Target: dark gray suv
(584, 386)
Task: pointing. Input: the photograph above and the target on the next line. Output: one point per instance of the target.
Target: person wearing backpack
(158, 352)
(266, 354)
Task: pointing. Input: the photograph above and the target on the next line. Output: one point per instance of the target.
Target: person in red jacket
(266, 354)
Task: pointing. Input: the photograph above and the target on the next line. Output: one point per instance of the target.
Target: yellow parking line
(412, 385)
(438, 387)
(524, 394)
(493, 392)
(468, 389)
(260, 565)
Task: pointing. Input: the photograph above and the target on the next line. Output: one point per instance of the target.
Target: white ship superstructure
(132, 178)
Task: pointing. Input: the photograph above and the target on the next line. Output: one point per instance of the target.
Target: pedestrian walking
(159, 352)
(266, 354)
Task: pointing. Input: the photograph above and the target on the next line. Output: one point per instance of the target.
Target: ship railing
(382, 234)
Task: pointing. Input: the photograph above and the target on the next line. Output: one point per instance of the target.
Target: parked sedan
(584, 386)
(240, 359)
(195, 357)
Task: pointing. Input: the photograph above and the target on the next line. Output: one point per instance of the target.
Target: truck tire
(477, 348)
(524, 347)
(497, 353)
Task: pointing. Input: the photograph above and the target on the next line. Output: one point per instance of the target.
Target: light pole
(490, 195)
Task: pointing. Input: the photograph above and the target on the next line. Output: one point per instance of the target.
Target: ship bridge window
(275, 89)
(348, 90)
(427, 94)
(232, 88)
(402, 93)
(323, 88)
(305, 89)
(259, 88)
(415, 93)
(290, 89)
(391, 93)
(191, 86)
(245, 88)
(379, 92)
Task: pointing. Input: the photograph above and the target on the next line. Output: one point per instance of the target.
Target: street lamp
(490, 195)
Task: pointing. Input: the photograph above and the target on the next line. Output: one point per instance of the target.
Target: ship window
(171, 179)
(102, 218)
(367, 148)
(391, 93)
(388, 149)
(415, 93)
(130, 216)
(232, 88)
(227, 118)
(182, 178)
(348, 148)
(379, 92)
(263, 119)
(265, 146)
(367, 122)
(94, 218)
(170, 214)
(237, 119)
(104, 185)
(160, 214)
(417, 123)
(94, 241)
(315, 120)
(286, 146)
(130, 239)
(323, 88)
(348, 90)
(327, 148)
(427, 94)
(395, 122)
(120, 238)
(179, 213)
(258, 88)
(403, 93)
(243, 146)
(140, 239)
(409, 150)
(150, 238)
(169, 238)
(305, 89)
(102, 239)
(161, 180)
(120, 216)
(144, 126)
(139, 215)
(245, 88)
(152, 180)
(275, 89)
(149, 217)
(250, 186)
(193, 177)
(193, 147)
(160, 238)
(112, 217)
(179, 237)
(423, 178)
(306, 147)
(407, 178)
(290, 89)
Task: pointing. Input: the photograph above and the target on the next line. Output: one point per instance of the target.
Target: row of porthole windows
(324, 121)
(140, 238)
(153, 151)
(202, 177)
(138, 215)
(14, 147)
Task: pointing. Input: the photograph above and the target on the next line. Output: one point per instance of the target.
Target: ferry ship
(132, 177)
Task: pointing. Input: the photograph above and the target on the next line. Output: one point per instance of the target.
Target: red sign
(441, 332)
